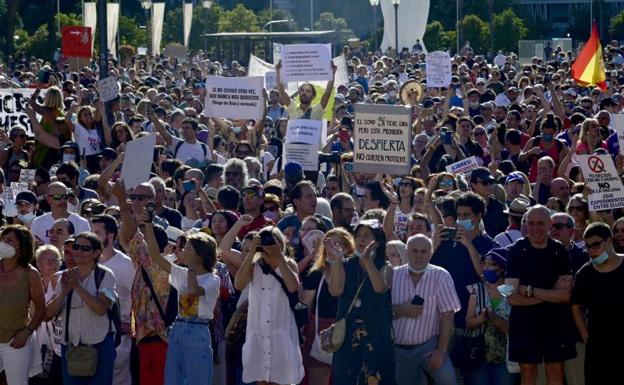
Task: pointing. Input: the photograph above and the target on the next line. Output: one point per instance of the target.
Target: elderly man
(559, 188)
(540, 324)
(424, 302)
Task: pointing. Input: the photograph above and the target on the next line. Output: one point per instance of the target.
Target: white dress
(271, 351)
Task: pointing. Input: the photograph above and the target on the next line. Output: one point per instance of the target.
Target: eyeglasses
(58, 197)
(594, 245)
(232, 173)
(586, 107)
(249, 194)
(187, 128)
(77, 247)
(575, 208)
(140, 197)
(561, 226)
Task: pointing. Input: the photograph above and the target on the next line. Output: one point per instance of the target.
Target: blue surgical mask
(490, 276)
(415, 270)
(26, 218)
(466, 224)
(547, 137)
(599, 260)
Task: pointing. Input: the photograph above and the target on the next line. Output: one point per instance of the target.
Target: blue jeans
(106, 362)
(489, 374)
(189, 355)
(412, 363)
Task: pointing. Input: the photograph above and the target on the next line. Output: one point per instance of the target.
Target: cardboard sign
(382, 139)
(602, 178)
(76, 41)
(306, 131)
(13, 102)
(304, 154)
(306, 62)
(438, 68)
(137, 162)
(141, 51)
(463, 166)
(27, 176)
(109, 89)
(234, 98)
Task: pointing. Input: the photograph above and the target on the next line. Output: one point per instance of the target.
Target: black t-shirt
(495, 220)
(172, 216)
(540, 268)
(601, 295)
(578, 257)
(327, 304)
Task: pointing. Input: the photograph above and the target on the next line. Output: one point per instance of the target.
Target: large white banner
(112, 21)
(13, 102)
(188, 20)
(412, 21)
(89, 16)
(607, 191)
(234, 98)
(158, 17)
(306, 62)
(438, 68)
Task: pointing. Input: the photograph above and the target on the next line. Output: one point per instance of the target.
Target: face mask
(236, 130)
(547, 137)
(414, 270)
(6, 251)
(474, 105)
(599, 260)
(490, 276)
(466, 224)
(69, 158)
(26, 218)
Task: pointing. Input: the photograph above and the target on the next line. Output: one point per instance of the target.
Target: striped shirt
(437, 289)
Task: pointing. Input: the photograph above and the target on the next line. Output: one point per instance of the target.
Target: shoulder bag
(316, 351)
(82, 360)
(333, 337)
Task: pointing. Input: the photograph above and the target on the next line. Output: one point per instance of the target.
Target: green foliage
(239, 19)
(37, 44)
(327, 22)
(435, 37)
(477, 32)
(204, 21)
(68, 19)
(130, 33)
(508, 29)
(616, 27)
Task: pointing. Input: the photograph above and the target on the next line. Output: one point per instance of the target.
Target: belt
(407, 347)
(192, 321)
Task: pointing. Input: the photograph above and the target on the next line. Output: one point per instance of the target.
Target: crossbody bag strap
(148, 282)
(357, 293)
(289, 295)
(67, 308)
(318, 294)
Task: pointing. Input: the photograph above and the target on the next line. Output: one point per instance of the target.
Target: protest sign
(27, 176)
(234, 98)
(617, 122)
(602, 178)
(306, 62)
(304, 154)
(137, 162)
(382, 138)
(438, 68)
(270, 80)
(141, 51)
(463, 166)
(109, 89)
(76, 41)
(13, 102)
(304, 131)
(177, 51)
(8, 200)
(18, 187)
(277, 52)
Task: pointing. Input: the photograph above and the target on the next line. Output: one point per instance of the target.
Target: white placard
(304, 154)
(27, 175)
(304, 131)
(137, 162)
(270, 80)
(18, 187)
(382, 139)
(8, 207)
(463, 166)
(306, 62)
(13, 102)
(277, 52)
(617, 122)
(109, 89)
(602, 178)
(234, 98)
(142, 51)
(438, 68)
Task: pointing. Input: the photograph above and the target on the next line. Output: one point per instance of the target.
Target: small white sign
(463, 166)
(304, 131)
(438, 69)
(304, 154)
(137, 162)
(602, 178)
(109, 89)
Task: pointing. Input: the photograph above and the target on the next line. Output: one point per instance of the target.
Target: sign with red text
(607, 191)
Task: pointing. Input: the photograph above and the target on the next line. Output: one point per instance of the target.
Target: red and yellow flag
(588, 68)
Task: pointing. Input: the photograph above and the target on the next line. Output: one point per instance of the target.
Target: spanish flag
(589, 69)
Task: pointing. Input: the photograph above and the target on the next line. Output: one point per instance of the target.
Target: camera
(334, 157)
(267, 239)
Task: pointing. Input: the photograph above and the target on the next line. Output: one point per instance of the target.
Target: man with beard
(307, 94)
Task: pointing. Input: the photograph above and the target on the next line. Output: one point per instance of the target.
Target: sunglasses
(77, 247)
(270, 208)
(58, 197)
(594, 245)
(249, 194)
(405, 184)
(446, 183)
(140, 197)
(561, 226)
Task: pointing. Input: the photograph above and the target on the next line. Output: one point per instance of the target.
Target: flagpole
(591, 14)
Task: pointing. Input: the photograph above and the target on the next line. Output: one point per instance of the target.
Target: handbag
(333, 337)
(82, 360)
(468, 350)
(237, 326)
(316, 351)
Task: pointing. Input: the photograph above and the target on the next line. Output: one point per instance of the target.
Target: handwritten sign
(306, 62)
(382, 137)
(463, 166)
(27, 176)
(234, 98)
(602, 178)
(438, 66)
(109, 89)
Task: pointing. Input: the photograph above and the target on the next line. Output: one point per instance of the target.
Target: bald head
(419, 240)
(419, 252)
(57, 188)
(559, 188)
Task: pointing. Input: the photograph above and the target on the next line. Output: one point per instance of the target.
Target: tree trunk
(12, 7)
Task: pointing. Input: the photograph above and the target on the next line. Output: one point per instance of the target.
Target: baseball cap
(570, 92)
(499, 256)
(293, 172)
(108, 153)
(482, 174)
(27, 196)
(515, 176)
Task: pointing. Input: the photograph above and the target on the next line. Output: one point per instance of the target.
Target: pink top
(583, 149)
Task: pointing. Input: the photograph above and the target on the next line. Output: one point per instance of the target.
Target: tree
(477, 32)
(130, 33)
(616, 27)
(435, 38)
(239, 19)
(508, 29)
(327, 22)
(204, 21)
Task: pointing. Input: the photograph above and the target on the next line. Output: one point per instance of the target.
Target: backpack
(114, 313)
(177, 147)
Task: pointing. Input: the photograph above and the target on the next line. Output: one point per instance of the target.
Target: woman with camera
(271, 353)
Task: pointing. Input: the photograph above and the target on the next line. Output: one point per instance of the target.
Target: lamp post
(206, 4)
(396, 3)
(102, 38)
(147, 6)
(374, 4)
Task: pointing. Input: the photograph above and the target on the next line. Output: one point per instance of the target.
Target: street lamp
(396, 3)
(374, 4)
(147, 6)
(206, 4)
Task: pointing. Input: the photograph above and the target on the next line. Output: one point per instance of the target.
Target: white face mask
(6, 251)
(69, 158)
(26, 218)
(236, 129)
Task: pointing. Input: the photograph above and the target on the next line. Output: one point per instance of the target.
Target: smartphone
(267, 239)
(446, 137)
(449, 232)
(188, 185)
(418, 300)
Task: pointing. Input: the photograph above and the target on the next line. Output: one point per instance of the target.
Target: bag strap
(267, 269)
(318, 294)
(148, 282)
(357, 293)
(67, 308)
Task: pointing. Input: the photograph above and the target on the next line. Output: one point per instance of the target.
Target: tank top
(14, 303)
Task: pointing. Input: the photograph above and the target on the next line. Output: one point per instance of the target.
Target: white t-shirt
(124, 271)
(210, 282)
(89, 141)
(187, 150)
(42, 224)
(507, 238)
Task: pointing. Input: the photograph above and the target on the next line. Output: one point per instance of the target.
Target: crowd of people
(231, 266)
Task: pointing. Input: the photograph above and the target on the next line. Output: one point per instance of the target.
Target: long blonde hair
(53, 98)
(320, 260)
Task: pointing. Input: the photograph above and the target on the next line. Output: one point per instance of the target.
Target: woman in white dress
(271, 353)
